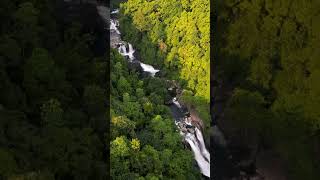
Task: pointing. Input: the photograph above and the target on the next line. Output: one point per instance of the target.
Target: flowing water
(191, 134)
(194, 138)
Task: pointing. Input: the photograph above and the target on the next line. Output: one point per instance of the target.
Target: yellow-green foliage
(181, 30)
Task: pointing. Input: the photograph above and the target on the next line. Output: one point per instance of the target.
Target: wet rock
(183, 129)
(137, 55)
(191, 130)
(189, 126)
(169, 102)
(135, 65)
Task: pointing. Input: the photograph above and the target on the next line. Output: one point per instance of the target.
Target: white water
(196, 143)
(174, 100)
(115, 11)
(148, 68)
(195, 140)
(113, 26)
(203, 148)
(124, 51)
(203, 164)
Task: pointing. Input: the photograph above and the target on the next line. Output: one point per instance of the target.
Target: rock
(191, 130)
(189, 126)
(137, 55)
(169, 102)
(135, 65)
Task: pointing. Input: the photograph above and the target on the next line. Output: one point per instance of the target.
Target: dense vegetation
(144, 141)
(175, 37)
(53, 116)
(269, 52)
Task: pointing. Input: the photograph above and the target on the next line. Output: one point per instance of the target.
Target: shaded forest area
(53, 112)
(269, 62)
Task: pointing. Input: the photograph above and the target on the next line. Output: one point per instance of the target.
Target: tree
(46, 129)
(26, 25)
(138, 136)
(52, 113)
(94, 99)
(135, 144)
(122, 126)
(119, 147)
(8, 164)
(276, 42)
(183, 31)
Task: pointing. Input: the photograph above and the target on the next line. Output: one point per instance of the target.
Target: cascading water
(115, 11)
(193, 137)
(126, 49)
(204, 150)
(148, 68)
(113, 26)
(203, 164)
(195, 140)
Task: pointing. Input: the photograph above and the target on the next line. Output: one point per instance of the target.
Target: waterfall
(174, 100)
(115, 11)
(113, 26)
(195, 139)
(203, 164)
(124, 51)
(149, 68)
(131, 51)
(196, 142)
(202, 145)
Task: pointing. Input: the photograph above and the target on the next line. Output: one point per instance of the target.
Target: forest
(145, 142)
(64, 113)
(53, 111)
(268, 56)
(174, 36)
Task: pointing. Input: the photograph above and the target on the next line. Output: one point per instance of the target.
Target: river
(189, 132)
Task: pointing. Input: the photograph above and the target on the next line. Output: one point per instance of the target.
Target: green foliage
(8, 164)
(94, 99)
(51, 113)
(174, 35)
(142, 128)
(278, 94)
(52, 100)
